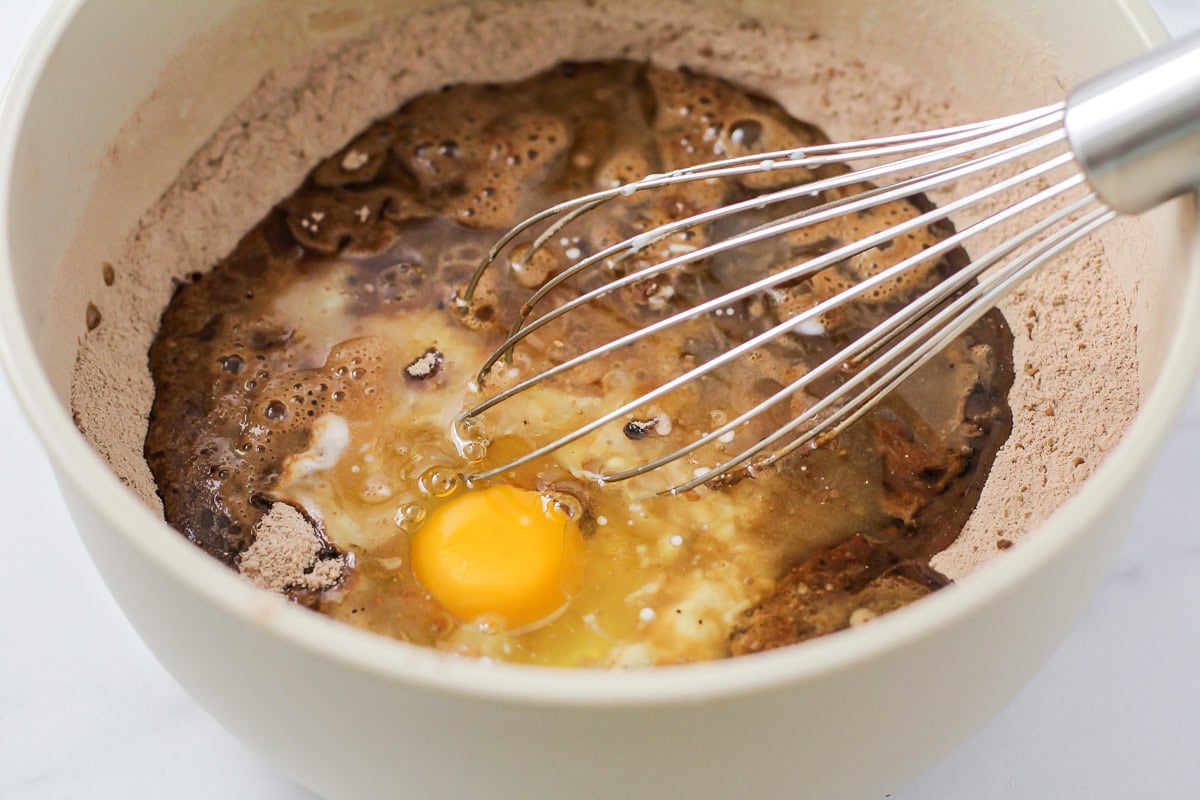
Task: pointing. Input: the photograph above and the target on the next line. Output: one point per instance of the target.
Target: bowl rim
(81, 468)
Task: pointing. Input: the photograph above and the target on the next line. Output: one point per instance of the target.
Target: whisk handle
(1136, 129)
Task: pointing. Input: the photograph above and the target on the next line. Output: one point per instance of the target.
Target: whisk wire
(796, 272)
(631, 246)
(878, 360)
(791, 158)
(778, 330)
(894, 325)
(927, 340)
(1128, 135)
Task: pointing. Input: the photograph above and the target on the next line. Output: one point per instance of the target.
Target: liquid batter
(309, 381)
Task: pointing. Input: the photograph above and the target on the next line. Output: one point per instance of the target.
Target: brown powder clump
(288, 553)
(846, 585)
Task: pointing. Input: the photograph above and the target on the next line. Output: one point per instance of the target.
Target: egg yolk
(501, 554)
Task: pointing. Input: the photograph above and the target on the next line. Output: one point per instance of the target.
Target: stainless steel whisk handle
(1136, 129)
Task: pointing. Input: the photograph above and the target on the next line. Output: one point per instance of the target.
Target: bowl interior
(88, 151)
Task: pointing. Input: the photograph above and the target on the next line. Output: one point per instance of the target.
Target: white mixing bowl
(353, 715)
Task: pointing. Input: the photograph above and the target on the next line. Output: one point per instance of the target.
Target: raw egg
(500, 554)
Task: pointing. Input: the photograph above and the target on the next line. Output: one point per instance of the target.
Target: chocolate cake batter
(391, 226)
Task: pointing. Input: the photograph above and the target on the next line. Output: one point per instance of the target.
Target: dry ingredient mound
(289, 553)
(1075, 388)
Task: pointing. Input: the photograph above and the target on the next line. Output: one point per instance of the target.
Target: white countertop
(86, 711)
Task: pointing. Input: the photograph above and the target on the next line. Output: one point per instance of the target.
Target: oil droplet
(438, 481)
(410, 516)
(571, 505)
(465, 427)
(468, 439)
(474, 451)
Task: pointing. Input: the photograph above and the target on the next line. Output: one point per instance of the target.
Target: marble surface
(86, 711)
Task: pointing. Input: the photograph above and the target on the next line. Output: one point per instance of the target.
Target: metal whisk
(1120, 144)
